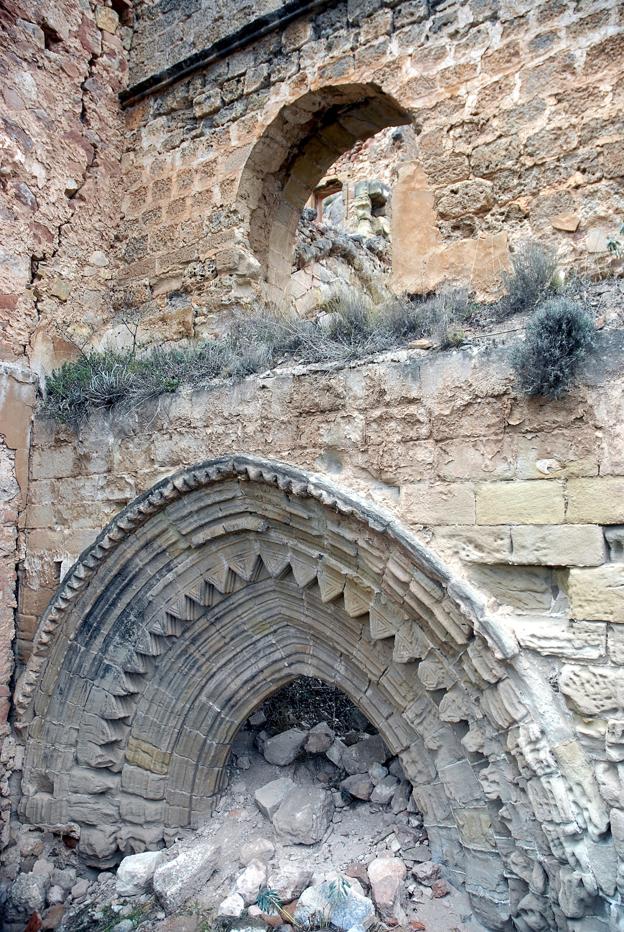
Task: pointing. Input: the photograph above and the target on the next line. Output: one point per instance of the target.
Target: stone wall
(489, 479)
(518, 109)
(61, 67)
(168, 31)
(520, 498)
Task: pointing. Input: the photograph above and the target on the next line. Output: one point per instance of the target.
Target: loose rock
(258, 849)
(427, 872)
(135, 873)
(359, 786)
(177, 880)
(320, 739)
(304, 816)
(271, 796)
(232, 905)
(289, 879)
(28, 894)
(384, 791)
(361, 756)
(282, 749)
(386, 876)
(252, 879)
(350, 910)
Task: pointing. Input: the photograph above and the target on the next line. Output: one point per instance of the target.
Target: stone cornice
(246, 35)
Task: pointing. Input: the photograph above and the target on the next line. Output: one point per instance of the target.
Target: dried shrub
(435, 316)
(349, 329)
(559, 336)
(530, 281)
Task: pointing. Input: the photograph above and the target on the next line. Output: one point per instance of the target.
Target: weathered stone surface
(386, 877)
(289, 879)
(319, 739)
(178, 880)
(358, 785)
(574, 640)
(304, 816)
(559, 545)
(600, 501)
(537, 502)
(232, 906)
(28, 895)
(258, 849)
(384, 791)
(251, 881)
(359, 757)
(270, 796)
(351, 911)
(135, 873)
(427, 872)
(282, 749)
(597, 593)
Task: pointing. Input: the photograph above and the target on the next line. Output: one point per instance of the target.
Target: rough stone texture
(351, 911)
(282, 749)
(251, 881)
(304, 816)
(178, 880)
(320, 739)
(357, 605)
(519, 133)
(289, 879)
(233, 905)
(386, 878)
(135, 873)
(60, 72)
(271, 796)
(597, 594)
(259, 849)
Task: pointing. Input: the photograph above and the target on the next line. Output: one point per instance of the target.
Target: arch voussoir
(225, 582)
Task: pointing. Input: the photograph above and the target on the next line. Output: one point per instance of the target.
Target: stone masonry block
(443, 503)
(524, 502)
(595, 501)
(597, 594)
(575, 640)
(558, 545)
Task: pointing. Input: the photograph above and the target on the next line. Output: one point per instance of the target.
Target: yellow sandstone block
(538, 502)
(597, 594)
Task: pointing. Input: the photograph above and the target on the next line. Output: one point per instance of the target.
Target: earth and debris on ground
(317, 830)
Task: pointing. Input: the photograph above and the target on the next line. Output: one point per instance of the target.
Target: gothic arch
(219, 585)
(289, 159)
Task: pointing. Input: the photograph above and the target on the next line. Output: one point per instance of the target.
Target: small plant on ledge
(559, 336)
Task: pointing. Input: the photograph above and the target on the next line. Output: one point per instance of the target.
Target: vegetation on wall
(347, 328)
(559, 336)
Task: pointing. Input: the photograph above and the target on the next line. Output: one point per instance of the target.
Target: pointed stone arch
(227, 580)
(290, 158)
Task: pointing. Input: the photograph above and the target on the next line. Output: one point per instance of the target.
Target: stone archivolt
(230, 579)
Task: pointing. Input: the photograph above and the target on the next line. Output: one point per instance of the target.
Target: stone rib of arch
(238, 546)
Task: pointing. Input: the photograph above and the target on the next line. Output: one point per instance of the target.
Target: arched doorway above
(291, 157)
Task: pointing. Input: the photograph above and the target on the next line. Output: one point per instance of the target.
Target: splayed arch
(224, 582)
(291, 157)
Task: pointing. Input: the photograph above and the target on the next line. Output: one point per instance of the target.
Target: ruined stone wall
(490, 479)
(518, 110)
(61, 67)
(521, 498)
(168, 31)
